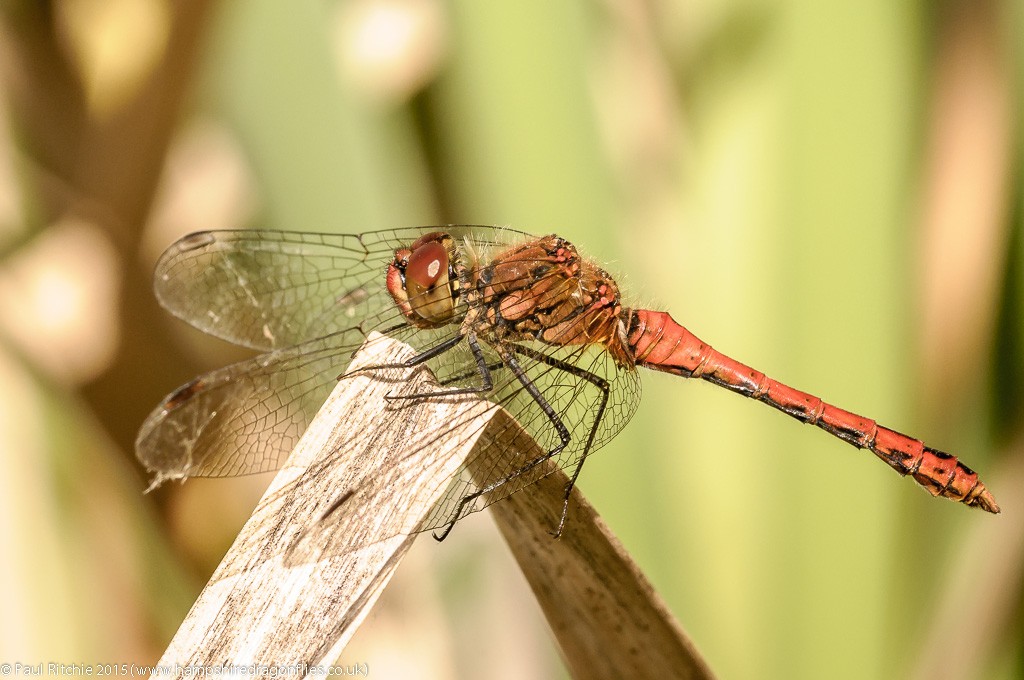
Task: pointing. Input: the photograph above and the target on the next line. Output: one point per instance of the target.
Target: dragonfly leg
(469, 374)
(563, 435)
(423, 356)
(563, 432)
(483, 370)
(595, 380)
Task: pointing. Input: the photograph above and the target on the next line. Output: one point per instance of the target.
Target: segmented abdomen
(659, 342)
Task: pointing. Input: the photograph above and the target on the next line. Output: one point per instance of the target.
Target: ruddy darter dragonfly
(526, 322)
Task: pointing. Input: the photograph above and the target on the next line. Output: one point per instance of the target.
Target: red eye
(421, 283)
(427, 264)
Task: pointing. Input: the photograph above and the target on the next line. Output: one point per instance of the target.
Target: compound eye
(427, 283)
(426, 266)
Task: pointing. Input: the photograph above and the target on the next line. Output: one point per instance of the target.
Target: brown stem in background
(965, 204)
(104, 171)
(964, 235)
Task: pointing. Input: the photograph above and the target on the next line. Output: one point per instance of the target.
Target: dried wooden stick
(325, 538)
(331, 529)
(608, 620)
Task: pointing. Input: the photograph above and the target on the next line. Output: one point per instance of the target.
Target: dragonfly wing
(267, 290)
(244, 418)
(574, 399)
(247, 417)
(273, 289)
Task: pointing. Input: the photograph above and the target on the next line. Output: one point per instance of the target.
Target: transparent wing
(247, 417)
(575, 400)
(573, 396)
(312, 300)
(272, 289)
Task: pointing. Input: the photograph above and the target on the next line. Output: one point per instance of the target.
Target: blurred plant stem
(105, 170)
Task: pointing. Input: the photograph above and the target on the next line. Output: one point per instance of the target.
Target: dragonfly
(526, 322)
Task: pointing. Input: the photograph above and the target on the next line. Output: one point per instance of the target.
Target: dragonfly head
(422, 280)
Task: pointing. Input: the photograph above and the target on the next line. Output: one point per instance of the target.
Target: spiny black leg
(494, 366)
(425, 355)
(486, 384)
(483, 369)
(595, 380)
(469, 498)
(563, 435)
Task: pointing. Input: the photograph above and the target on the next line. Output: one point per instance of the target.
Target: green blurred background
(830, 192)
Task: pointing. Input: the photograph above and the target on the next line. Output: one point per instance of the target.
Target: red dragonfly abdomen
(658, 342)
